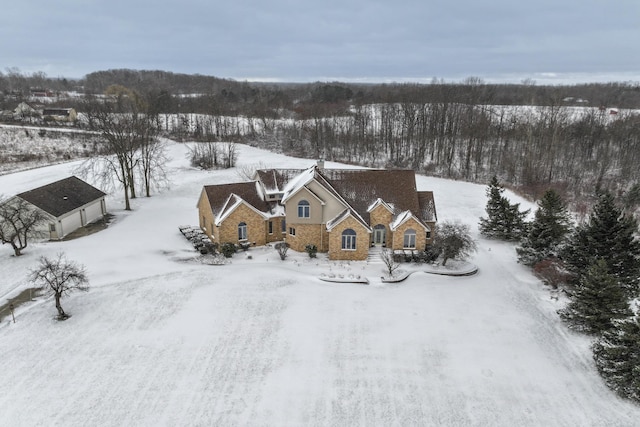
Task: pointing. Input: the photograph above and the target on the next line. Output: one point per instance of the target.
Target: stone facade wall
(256, 226)
(363, 239)
(277, 235)
(398, 235)
(381, 215)
(205, 215)
(306, 234)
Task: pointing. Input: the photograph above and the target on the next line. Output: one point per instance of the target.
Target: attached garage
(70, 204)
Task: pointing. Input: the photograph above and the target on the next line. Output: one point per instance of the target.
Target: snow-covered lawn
(162, 339)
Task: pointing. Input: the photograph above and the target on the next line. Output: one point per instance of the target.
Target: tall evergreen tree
(547, 231)
(617, 357)
(596, 300)
(609, 234)
(504, 220)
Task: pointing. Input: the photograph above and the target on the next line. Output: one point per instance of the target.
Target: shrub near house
(343, 212)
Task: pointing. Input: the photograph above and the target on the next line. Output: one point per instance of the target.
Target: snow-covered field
(162, 339)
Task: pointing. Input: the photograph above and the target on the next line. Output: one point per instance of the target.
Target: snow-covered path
(161, 340)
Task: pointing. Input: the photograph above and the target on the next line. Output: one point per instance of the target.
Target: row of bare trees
(134, 156)
(529, 147)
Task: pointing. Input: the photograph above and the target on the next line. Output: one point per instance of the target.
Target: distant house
(343, 212)
(69, 204)
(60, 114)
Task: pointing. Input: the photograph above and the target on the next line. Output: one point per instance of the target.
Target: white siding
(70, 223)
(93, 212)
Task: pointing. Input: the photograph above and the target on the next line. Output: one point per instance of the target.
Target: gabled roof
(232, 202)
(380, 202)
(298, 182)
(344, 215)
(61, 197)
(220, 195)
(362, 187)
(404, 217)
(274, 180)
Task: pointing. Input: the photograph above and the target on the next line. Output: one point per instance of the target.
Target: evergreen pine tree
(547, 231)
(617, 357)
(610, 235)
(495, 209)
(632, 197)
(504, 220)
(597, 300)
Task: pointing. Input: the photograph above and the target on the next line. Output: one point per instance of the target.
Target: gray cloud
(349, 39)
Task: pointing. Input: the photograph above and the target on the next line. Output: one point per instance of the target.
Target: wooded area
(576, 139)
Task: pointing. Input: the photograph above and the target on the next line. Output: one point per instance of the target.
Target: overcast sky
(348, 40)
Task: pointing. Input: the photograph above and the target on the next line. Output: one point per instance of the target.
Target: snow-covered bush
(312, 250)
(228, 249)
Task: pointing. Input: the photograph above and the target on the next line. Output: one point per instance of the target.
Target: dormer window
(304, 210)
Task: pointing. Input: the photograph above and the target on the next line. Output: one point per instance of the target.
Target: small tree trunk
(16, 249)
(61, 313)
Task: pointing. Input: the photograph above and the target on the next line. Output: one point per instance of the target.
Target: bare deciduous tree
(387, 258)
(152, 158)
(246, 172)
(134, 150)
(59, 277)
(19, 221)
(204, 155)
(282, 248)
(229, 155)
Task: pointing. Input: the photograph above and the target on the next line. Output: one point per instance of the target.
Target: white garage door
(93, 212)
(70, 223)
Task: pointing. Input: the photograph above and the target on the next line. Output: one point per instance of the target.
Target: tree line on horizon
(454, 130)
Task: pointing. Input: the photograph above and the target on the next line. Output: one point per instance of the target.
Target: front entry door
(379, 234)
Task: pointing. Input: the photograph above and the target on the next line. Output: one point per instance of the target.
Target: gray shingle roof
(247, 191)
(61, 197)
(361, 187)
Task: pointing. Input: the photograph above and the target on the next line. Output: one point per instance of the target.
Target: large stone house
(344, 212)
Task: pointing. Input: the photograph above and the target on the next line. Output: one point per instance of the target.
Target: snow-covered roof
(223, 198)
(298, 182)
(379, 202)
(344, 215)
(231, 204)
(403, 217)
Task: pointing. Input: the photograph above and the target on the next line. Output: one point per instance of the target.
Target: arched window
(410, 239)
(303, 209)
(349, 240)
(242, 231)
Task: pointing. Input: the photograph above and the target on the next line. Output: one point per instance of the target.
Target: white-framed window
(270, 227)
(52, 228)
(242, 231)
(304, 210)
(284, 226)
(349, 240)
(292, 231)
(409, 239)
